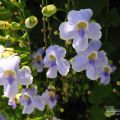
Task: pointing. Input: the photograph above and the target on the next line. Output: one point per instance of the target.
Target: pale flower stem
(49, 28)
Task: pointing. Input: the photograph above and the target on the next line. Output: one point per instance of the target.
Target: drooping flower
(90, 60)
(49, 98)
(80, 29)
(11, 75)
(30, 100)
(38, 60)
(105, 72)
(55, 61)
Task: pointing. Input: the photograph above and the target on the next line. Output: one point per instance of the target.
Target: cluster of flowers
(11, 76)
(86, 36)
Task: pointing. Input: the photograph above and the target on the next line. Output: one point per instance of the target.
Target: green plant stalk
(50, 31)
(107, 26)
(44, 27)
(73, 4)
(44, 32)
(26, 30)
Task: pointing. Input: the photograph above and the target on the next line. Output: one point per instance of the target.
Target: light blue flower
(54, 60)
(11, 75)
(38, 60)
(49, 98)
(90, 60)
(105, 72)
(30, 100)
(80, 29)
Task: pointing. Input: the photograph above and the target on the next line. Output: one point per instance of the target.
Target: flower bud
(0, 3)
(4, 25)
(61, 109)
(68, 42)
(21, 44)
(14, 2)
(31, 22)
(114, 90)
(7, 52)
(49, 10)
(56, 32)
(15, 26)
(2, 38)
(7, 37)
(9, 49)
(17, 97)
(118, 83)
(51, 87)
(89, 92)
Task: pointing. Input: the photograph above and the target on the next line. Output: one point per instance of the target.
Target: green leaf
(97, 113)
(100, 94)
(5, 14)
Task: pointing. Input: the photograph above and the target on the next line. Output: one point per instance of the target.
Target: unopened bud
(89, 92)
(15, 26)
(51, 87)
(118, 83)
(4, 25)
(114, 90)
(7, 52)
(14, 2)
(18, 97)
(49, 10)
(61, 109)
(7, 37)
(9, 49)
(68, 42)
(56, 32)
(3, 7)
(0, 3)
(31, 22)
(21, 44)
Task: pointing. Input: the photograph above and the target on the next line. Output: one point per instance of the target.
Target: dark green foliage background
(77, 104)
